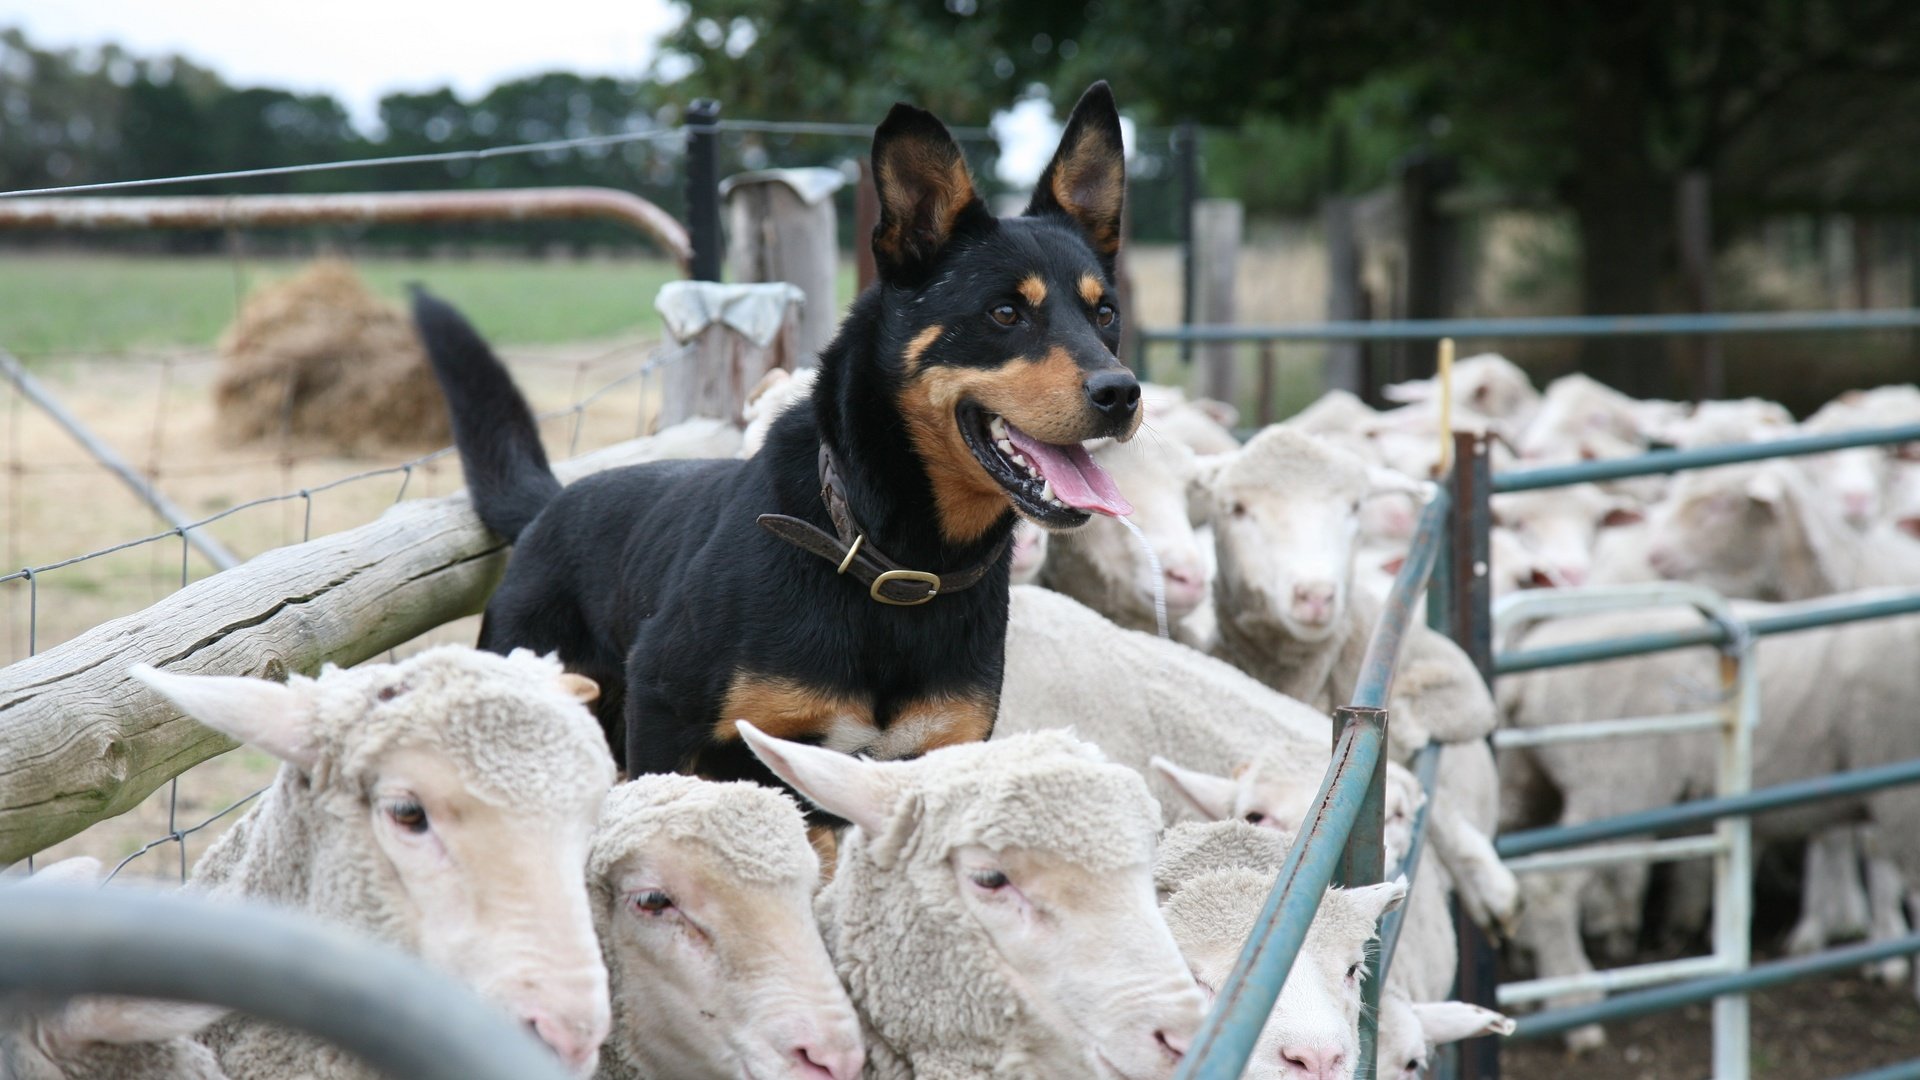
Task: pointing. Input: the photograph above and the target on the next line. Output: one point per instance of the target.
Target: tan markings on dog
(1090, 289)
(1044, 398)
(923, 188)
(920, 343)
(787, 709)
(826, 844)
(944, 720)
(1034, 290)
(1090, 184)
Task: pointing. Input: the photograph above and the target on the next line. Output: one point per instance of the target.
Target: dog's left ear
(1087, 178)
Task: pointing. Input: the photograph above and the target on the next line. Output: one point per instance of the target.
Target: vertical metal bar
(1471, 599)
(1186, 152)
(1733, 867)
(1362, 862)
(703, 189)
(1266, 407)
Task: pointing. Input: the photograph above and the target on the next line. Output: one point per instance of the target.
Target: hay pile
(320, 357)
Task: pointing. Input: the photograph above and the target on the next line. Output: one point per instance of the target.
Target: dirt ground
(156, 410)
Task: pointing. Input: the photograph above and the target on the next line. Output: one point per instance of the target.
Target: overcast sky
(359, 50)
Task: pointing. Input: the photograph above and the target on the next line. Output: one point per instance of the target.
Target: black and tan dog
(848, 585)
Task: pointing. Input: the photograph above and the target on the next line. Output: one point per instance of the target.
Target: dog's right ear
(926, 193)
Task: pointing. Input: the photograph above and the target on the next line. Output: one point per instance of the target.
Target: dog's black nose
(1115, 393)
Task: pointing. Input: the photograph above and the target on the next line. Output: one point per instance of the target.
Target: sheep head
(450, 799)
(995, 900)
(1103, 564)
(703, 897)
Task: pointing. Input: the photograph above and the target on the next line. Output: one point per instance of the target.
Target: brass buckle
(932, 581)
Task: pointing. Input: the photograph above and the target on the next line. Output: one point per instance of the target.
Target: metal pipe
(1700, 457)
(1633, 977)
(385, 1007)
(355, 208)
(1700, 811)
(1675, 849)
(1563, 327)
(1593, 731)
(1233, 1025)
(1906, 1070)
(1383, 648)
(1759, 977)
(106, 455)
(703, 190)
(1794, 618)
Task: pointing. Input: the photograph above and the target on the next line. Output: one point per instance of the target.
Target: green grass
(105, 303)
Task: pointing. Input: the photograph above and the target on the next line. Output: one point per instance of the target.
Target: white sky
(359, 50)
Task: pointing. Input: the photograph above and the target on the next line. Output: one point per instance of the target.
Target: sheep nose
(567, 1043)
(1313, 603)
(1173, 1042)
(1313, 1062)
(1859, 504)
(820, 1060)
(1573, 576)
(1114, 395)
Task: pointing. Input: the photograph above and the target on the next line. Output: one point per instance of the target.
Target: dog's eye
(1105, 314)
(1004, 314)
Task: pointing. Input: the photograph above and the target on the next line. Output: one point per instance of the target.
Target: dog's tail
(508, 477)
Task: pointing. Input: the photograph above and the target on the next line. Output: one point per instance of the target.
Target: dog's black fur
(655, 580)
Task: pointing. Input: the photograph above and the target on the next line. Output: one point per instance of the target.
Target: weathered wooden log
(80, 742)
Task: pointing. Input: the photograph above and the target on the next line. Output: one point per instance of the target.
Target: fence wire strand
(574, 414)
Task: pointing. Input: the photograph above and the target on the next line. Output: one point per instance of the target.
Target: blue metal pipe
(1233, 1025)
(1383, 649)
(1906, 1070)
(1701, 811)
(1702, 457)
(1693, 991)
(1566, 327)
(1797, 617)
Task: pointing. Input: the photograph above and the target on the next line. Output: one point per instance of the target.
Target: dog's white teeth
(1005, 445)
(1046, 491)
(998, 426)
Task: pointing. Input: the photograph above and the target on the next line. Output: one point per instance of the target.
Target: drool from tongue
(1077, 479)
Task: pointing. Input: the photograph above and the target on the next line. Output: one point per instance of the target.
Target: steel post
(703, 190)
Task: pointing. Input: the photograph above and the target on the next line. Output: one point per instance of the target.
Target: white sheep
(1214, 880)
(703, 899)
(1411, 1030)
(776, 392)
(1718, 423)
(1581, 417)
(1559, 528)
(1103, 564)
(1866, 484)
(1030, 545)
(1487, 387)
(1138, 697)
(992, 913)
(442, 805)
(102, 1037)
(1202, 425)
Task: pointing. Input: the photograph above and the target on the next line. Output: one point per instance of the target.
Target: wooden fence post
(782, 227)
(1216, 256)
(737, 333)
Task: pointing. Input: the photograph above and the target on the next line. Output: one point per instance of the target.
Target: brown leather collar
(887, 581)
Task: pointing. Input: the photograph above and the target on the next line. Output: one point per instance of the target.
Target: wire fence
(49, 601)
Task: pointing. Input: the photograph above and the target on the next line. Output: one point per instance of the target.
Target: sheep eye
(1255, 817)
(652, 901)
(409, 815)
(1354, 971)
(1105, 314)
(1004, 314)
(990, 880)
(1239, 509)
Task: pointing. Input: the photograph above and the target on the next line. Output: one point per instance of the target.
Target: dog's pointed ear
(926, 193)
(1087, 178)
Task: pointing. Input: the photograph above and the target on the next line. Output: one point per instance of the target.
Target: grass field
(92, 304)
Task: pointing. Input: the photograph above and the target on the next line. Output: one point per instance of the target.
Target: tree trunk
(1622, 205)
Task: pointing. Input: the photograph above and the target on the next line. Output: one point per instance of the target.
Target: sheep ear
(840, 784)
(1377, 900)
(1087, 179)
(579, 687)
(132, 1020)
(1622, 513)
(268, 715)
(1384, 481)
(1444, 1022)
(1211, 795)
(1765, 487)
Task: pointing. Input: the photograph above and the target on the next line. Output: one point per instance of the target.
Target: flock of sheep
(1064, 899)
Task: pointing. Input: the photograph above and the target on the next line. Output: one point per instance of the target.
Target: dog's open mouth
(1056, 486)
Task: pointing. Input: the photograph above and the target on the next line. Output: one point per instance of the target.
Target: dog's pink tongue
(1077, 479)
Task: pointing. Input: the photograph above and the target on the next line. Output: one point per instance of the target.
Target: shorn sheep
(703, 898)
(444, 805)
(104, 1038)
(1214, 880)
(992, 913)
